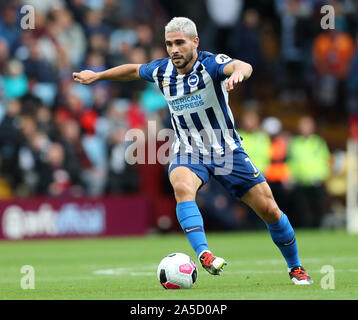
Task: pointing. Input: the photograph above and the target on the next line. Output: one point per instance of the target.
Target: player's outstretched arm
(125, 72)
(237, 71)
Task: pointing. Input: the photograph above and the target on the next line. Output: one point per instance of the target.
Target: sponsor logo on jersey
(188, 102)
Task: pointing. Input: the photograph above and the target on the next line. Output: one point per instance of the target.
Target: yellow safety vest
(309, 159)
(257, 145)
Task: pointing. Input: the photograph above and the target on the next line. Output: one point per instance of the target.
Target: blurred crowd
(61, 138)
(307, 180)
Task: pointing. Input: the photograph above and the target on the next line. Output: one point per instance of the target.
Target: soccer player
(196, 84)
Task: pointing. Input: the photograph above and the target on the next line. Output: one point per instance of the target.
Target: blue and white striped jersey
(198, 103)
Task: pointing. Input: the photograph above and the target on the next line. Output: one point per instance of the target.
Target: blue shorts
(235, 170)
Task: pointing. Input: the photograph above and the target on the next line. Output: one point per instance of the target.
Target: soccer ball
(177, 271)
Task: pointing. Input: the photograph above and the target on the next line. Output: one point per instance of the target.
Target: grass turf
(125, 268)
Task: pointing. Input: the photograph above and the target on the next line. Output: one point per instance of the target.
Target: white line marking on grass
(125, 271)
(134, 273)
(150, 270)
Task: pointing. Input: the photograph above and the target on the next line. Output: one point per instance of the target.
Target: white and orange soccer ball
(177, 271)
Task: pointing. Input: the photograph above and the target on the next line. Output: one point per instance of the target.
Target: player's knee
(272, 212)
(183, 191)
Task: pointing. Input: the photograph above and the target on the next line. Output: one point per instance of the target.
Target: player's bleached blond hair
(182, 24)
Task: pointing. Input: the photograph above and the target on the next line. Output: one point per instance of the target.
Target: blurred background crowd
(59, 138)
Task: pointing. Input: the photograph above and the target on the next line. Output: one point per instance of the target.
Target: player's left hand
(235, 78)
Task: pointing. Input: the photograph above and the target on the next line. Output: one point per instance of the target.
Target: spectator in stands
(121, 43)
(69, 35)
(28, 156)
(126, 89)
(89, 154)
(97, 42)
(10, 141)
(100, 100)
(52, 49)
(15, 82)
(76, 159)
(37, 68)
(10, 26)
(55, 178)
(43, 75)
(114, 12)
(69, 105)
(277, 173)
(96, 151)
(145, 37)
(255, 141)
(93, 23)
(44, 121)
(332, 53)
(4, 55)
(122, 177)
(309, 162)
(332, 56)
(296, 32)
(225, 15)
(154, 104)
(244, 42)
(31, 156)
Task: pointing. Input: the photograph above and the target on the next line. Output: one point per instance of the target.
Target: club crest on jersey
(222, 58)
(193, 80)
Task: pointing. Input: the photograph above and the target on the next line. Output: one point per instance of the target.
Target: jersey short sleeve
(215, 64)
(146, 70)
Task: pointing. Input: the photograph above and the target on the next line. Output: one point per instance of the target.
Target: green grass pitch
(125, 268)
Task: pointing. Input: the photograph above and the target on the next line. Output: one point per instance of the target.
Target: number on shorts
(247, 159)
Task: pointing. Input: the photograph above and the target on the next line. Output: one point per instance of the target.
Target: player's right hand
(235, 78)
(85, 76)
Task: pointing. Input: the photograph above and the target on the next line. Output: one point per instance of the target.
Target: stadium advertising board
(57, 218)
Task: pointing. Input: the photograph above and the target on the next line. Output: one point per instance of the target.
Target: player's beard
(185, 62)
